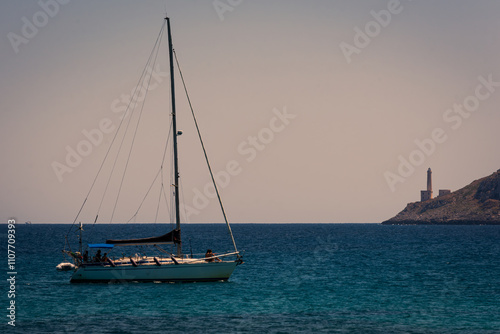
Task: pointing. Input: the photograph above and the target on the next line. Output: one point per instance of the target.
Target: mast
(174, 133)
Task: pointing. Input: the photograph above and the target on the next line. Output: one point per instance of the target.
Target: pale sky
(359, 82)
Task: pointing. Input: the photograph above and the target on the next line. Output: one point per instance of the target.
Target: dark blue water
(338, 278)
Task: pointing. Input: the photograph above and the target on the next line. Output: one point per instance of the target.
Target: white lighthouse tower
(426, 195)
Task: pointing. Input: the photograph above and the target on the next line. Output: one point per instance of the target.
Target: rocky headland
(475, 204)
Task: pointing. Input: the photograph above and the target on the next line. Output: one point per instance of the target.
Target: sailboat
(164, 266)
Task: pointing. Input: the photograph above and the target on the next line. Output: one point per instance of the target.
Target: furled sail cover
(173, 236)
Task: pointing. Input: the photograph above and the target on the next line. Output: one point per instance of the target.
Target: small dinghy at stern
(65, 266)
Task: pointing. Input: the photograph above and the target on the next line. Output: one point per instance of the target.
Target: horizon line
(186, 223)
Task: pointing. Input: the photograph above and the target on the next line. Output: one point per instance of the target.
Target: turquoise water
(332, 278)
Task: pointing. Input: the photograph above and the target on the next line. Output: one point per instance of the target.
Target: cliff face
(477, 203)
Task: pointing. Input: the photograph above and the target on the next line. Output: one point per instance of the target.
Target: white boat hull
(182, 272)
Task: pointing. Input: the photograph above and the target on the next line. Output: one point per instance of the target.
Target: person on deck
(211, 255)
(97, 257)
(86, 256)
(104, 257)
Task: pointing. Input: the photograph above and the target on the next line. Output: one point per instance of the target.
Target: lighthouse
(426, 195)
(429, 180)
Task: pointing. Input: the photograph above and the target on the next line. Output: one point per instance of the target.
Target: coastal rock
(475, 204)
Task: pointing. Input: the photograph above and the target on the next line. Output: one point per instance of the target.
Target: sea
(296, 278)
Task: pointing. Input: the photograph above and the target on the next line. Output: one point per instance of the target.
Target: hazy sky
(357, 85)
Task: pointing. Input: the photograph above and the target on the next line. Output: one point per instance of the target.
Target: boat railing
(157, 260)
(202, 257)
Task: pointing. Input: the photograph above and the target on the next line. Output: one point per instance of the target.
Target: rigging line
(183, 200)
(154, 180)
(119, 148)
(113, 140)
(133, 97)
(144, 198)
(205, 153)
(162, 195)
(159, 197)
(165, 195)
(166, 144)
(142, 77)
(152, 183)
(162, 189)
(135, 131)
(172, 194)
